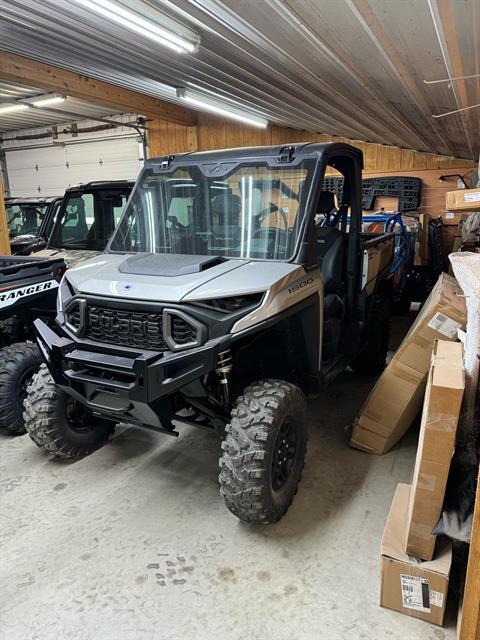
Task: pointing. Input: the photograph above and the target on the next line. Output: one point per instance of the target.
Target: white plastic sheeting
(466, 268)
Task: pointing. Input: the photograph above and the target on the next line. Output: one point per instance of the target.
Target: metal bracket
(286, 154)
(166, 163)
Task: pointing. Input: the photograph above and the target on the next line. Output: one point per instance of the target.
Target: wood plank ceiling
(354, 68)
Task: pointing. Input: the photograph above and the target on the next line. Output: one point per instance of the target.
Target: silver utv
(234, 286)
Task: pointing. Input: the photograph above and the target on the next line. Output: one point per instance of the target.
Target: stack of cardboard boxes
(415, 566)
(396, 399)
(426, 371)
(459, 205)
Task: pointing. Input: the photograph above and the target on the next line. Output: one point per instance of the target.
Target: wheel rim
(24, 381)
(76, 416)
(285, 452)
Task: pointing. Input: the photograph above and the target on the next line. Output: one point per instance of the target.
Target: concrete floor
(135, 542)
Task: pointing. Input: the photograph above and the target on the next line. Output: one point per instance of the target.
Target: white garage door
(48, 171)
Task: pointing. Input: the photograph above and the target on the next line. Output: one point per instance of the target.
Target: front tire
(59, 424)
(264, 451)
(19, 363)
(12, 330)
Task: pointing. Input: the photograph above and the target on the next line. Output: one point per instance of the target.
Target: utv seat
(226, 210)
(330, 244)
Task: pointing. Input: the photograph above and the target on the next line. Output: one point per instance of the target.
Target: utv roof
(100, 184)
(240, 153)
(32, 200)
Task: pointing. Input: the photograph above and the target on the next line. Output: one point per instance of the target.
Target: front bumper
(122, 384)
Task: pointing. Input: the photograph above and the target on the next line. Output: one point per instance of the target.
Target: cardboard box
(421, 242)
(417, 589)
(450, 240)
(453, 218)
(397, 398)
(463, 200)
(441, 408)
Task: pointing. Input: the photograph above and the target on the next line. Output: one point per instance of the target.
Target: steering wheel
(263, 213)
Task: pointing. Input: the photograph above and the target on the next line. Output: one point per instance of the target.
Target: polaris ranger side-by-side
(30, 222)
(88, 215)
(86, 219)
(28, 290)
(219, 303)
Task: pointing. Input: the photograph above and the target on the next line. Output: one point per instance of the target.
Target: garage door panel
(48, 171)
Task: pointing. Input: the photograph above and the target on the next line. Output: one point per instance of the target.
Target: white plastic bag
(466, 268)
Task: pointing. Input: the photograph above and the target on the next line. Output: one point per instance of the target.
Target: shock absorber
(223, 369)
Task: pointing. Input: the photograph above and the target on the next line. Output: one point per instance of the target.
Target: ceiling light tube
(117, 13)
(47, 101)
(14, 107)
(220, 108)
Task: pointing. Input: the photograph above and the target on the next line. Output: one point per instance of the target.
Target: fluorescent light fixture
(10, 108)
(46, 101)
(116, 12)
(205, 103)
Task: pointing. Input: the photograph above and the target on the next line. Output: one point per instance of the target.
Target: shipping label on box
(472, 197)
(445, 325)
(415, 593)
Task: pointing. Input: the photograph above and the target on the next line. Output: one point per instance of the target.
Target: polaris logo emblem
(300, 285)
(123, 325)
(8, 298)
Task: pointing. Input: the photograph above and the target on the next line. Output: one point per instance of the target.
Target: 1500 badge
(300, 285)
(8, 297)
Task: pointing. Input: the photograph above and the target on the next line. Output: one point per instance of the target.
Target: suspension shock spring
(223, 369)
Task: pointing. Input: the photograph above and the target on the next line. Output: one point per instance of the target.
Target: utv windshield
(86, 219)
(255, 211)
(25, 219)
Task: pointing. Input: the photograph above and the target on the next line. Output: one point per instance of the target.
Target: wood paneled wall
(215, 133)
(168, 137)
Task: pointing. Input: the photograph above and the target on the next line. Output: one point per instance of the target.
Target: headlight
(181, 331)
(69, 311)
(233, 303)
(64, 294)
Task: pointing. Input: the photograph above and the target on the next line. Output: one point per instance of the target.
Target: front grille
(136, 329)
(182, 332)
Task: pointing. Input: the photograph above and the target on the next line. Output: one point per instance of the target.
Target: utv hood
(156, 277)
(72, 257)
(173, 278)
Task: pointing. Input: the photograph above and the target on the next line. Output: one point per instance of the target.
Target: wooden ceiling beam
(25, 71)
